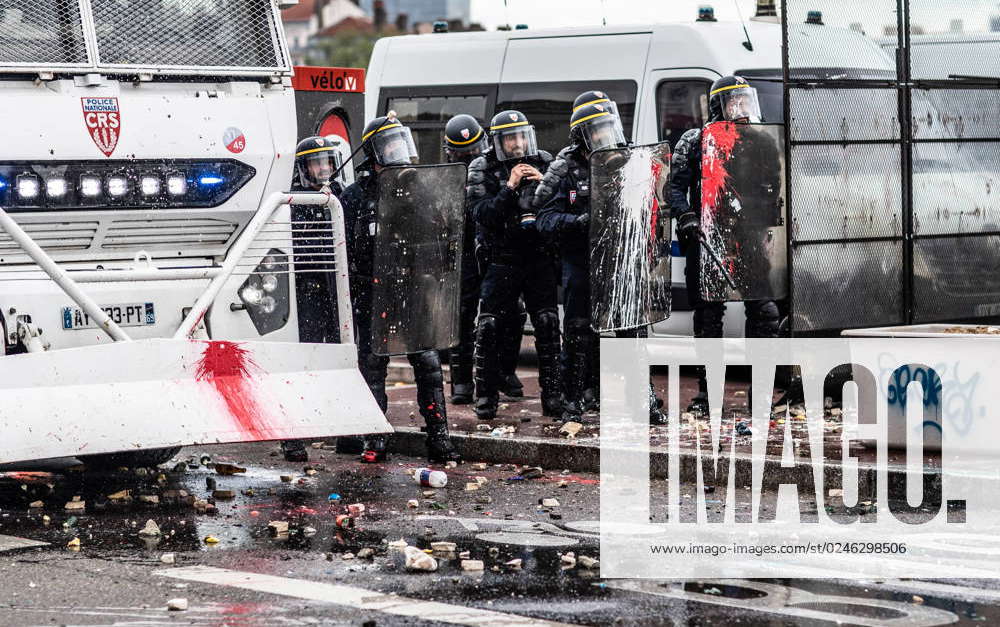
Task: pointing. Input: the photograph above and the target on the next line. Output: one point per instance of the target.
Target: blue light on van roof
(210, 179)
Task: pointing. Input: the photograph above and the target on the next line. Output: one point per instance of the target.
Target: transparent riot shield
(418, 251)
(743, 245)
(629, 237)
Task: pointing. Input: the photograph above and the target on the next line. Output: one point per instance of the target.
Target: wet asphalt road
(118, 577)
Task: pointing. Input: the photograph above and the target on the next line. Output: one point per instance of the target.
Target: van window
(681, 104)
(426, 114)
(549, 105)
(770, 93)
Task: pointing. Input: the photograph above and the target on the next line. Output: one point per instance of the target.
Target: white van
(659, 76)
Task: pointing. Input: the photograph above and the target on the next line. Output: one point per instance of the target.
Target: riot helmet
(387, 142)
(316, 159)
(596, 127)
(513, 136)
(731, 98)
(464, 139)
(595, 97)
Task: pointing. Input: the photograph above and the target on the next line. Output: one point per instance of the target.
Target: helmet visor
(320, 166)
(603, 132)
(394, 146)
(516, 142)
(740, 105)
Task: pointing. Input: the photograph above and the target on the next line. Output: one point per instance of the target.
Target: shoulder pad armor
(545, 156)
(685, 145)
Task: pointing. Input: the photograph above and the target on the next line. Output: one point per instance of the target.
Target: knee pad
(427, 367)
(547, 327)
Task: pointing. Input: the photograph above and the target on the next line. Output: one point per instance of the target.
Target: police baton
(718, 262)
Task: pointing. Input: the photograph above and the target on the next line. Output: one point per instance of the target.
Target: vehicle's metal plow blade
(161, 393)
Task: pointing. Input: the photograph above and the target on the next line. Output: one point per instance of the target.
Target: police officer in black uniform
(464, 140)
(316, 159)
(387, 142)
(730, 98)
(501, 187)
(563, 199)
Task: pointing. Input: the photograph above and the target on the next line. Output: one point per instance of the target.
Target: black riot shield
(417, 257)
(629, 238)
(743, 247)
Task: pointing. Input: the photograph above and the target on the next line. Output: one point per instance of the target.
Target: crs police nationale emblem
(104, 122)
(465, 133)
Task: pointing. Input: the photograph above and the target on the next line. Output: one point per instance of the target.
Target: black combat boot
(575, 374)
(656, 417)
(510, 353)
(487, 367)
(699, 404)
(462, 388)
(439, 447)
(547, 347)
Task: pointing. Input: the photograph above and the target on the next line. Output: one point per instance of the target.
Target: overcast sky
(934, 15)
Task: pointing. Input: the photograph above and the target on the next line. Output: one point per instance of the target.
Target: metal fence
(155, 36)
(894, 162)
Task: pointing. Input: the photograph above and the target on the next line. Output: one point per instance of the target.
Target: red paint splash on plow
(229, 368)
(717, 146)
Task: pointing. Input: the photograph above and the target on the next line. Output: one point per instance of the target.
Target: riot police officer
(387, 142)
(316, 160)
(731, 98)
(563, 199)
(464, 140)
(501, 186)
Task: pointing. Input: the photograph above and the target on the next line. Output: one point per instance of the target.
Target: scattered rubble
(177, 605)
(418, 560)
(168, 558)
(366, 553)
(473, 565)
(228, 469)
(151, 530)
(549, 502)
(445, 550)
(570, 429)
(588, 562)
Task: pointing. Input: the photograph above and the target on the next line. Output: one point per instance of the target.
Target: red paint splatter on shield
(717, 146)
(229, 368)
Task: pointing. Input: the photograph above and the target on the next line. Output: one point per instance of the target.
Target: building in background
(323, 18)
(421, 11)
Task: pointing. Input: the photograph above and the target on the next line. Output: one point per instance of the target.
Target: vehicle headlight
(265, 293)
(118, 184)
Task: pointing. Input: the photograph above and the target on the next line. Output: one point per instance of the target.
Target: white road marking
(10, 543)
(358, 598)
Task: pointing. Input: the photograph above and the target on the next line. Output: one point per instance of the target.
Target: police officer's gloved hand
(687, 227)
(582, 222)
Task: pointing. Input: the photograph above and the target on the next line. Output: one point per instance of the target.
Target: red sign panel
(347, 79)
(104, 122)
